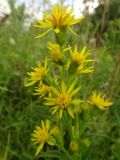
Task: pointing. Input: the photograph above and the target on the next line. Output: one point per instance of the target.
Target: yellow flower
(43, 134)
(55, 52)
(59, 18)
(98, 100)
(37, 74)
(79, 57)
(62, 99)
(42, 89)
(73, 146)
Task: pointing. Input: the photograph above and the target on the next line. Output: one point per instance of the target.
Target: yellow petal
(60, 113)
(39, 148)
(47, 124)
(55, 109)
(83, 50)
(75, 91)
(42, 124)
(72, 86)
(77, 20)
(70, 112)
(29, 84)
(63, 87)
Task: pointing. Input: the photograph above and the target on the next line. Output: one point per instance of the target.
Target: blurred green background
(20, 110)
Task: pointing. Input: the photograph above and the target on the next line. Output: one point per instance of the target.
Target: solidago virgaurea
(99, 100)
(63, 99)
(79, 57)
(44, 134)
(55, 52)
(37, 74)
(80, 60)
(58, 84)
(57, 19)
(42, 89)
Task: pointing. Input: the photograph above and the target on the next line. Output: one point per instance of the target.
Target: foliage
(113, 38)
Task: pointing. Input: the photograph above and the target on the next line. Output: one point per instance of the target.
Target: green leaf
(72, 68)
(53, 154)
(43, 34)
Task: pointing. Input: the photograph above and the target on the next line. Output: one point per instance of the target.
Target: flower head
(42, 90)
(62, 99)
(79, 61)
(55, 52)
(98, 100)
(43, 134)
(59, 17)
(73, 146)
(79, 57)
(37, 74)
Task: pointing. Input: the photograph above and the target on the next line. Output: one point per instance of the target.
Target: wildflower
(98, 100)
(79, 57)
(55, 52)
(62, 99)
(79, 61)
(58, 19)
(73, 146)
(42, 90)
(37, 74)
(43, 134)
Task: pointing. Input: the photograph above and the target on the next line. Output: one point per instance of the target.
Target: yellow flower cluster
(57, 81)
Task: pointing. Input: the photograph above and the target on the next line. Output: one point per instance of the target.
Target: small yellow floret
(37, 74)
(55, 52)
(62, 99)
(79, 57)
(98, 100)
(42, 90)
(43, 134)
(73, 146)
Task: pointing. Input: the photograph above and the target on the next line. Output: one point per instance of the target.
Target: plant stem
(67, 154)
(8, 142)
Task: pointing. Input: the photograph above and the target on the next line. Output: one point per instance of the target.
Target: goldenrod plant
(57, 82)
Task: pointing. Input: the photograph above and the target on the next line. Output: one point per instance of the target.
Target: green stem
(7, 147)
(67, 154)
